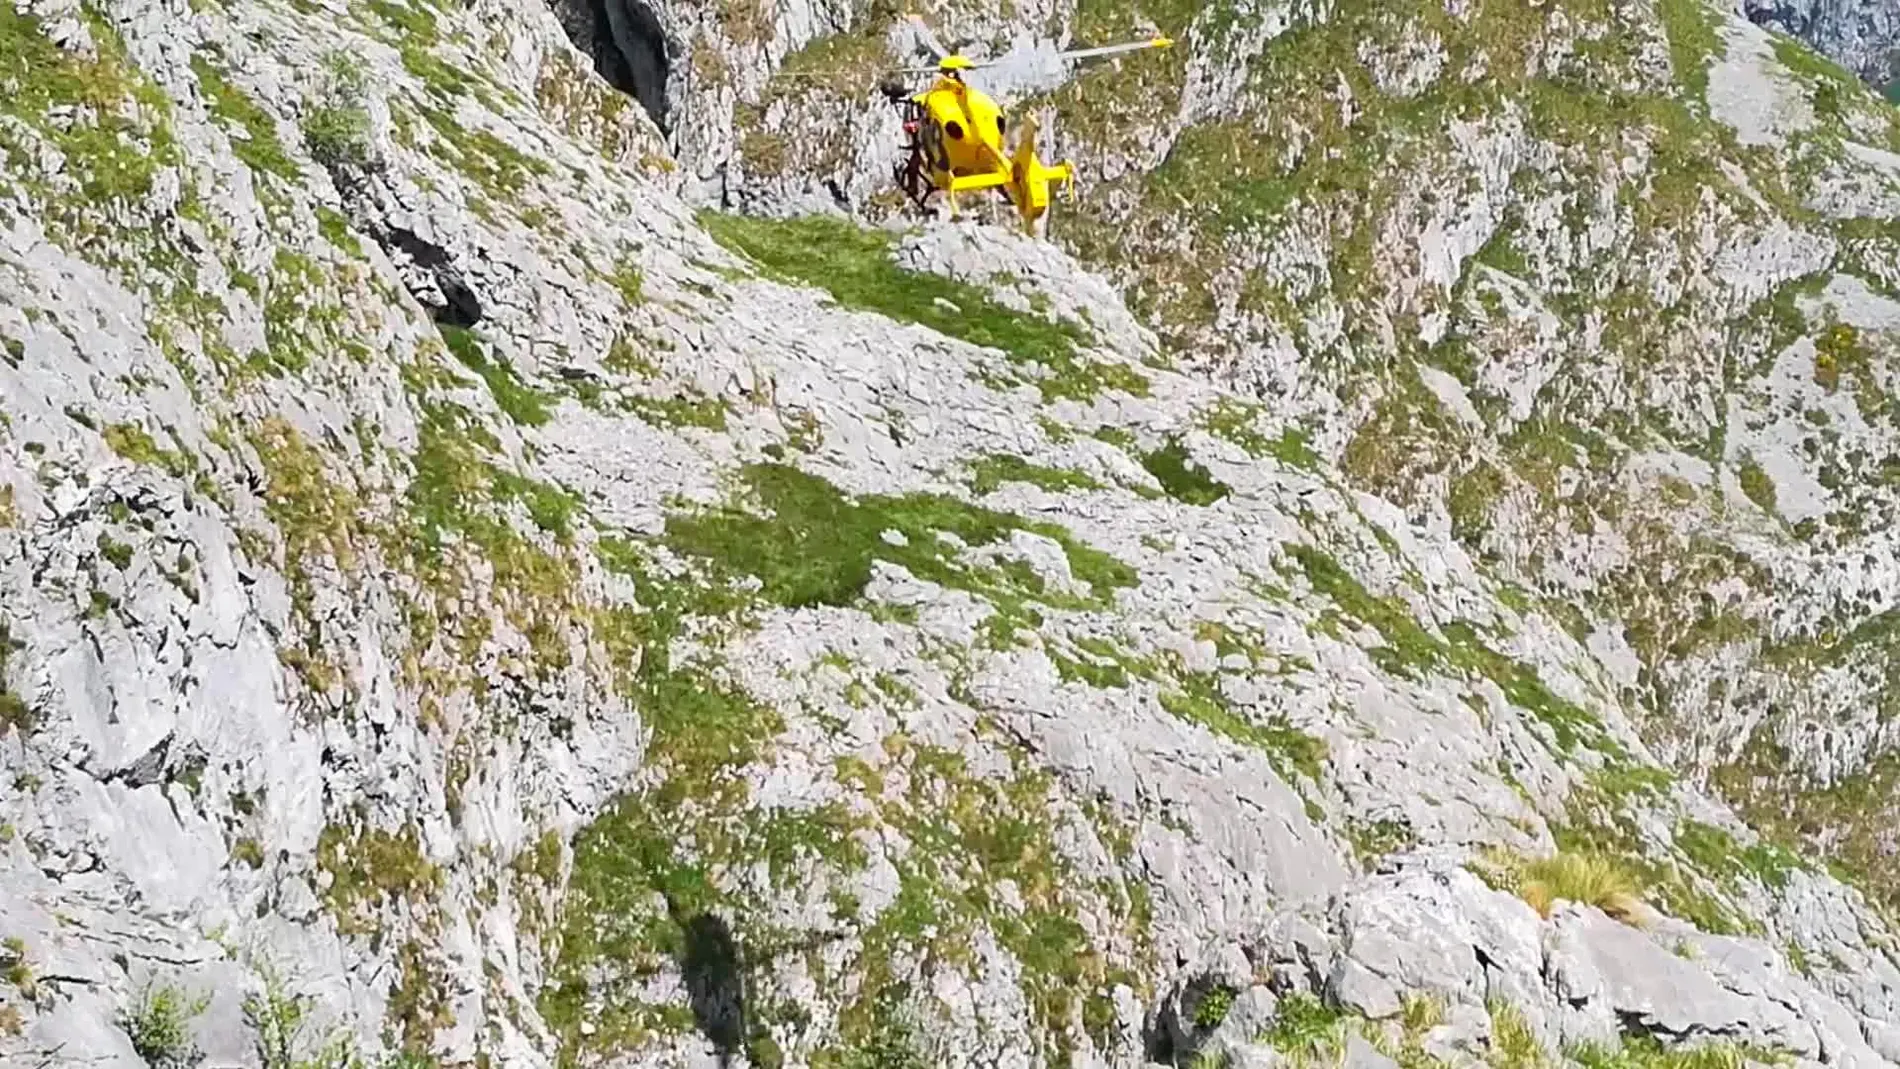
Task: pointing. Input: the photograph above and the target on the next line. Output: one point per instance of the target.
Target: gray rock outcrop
(470, 597)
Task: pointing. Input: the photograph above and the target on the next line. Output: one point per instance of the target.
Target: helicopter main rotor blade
(1110, 50)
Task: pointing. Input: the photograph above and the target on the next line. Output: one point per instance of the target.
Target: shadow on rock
(715, 982)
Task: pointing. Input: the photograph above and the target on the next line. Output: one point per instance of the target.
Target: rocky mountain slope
(1863, 35)
(464, 604)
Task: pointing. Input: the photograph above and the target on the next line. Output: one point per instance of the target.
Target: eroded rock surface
(460, 602)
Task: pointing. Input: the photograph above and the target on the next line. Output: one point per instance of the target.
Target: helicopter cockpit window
(954, 129)
(999, 122)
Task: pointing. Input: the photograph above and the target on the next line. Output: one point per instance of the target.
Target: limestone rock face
(1861, 35)
(497, 567)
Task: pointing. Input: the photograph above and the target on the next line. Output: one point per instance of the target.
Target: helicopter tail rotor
(1030, 178)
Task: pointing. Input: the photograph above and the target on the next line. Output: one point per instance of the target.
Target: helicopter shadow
(714, 973)
(714, 967)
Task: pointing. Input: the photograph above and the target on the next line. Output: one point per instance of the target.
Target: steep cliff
(463, 602)
(1863, 35)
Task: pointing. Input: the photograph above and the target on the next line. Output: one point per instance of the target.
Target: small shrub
(14, 968)
(249, 852)
(1213, 1007)
(281, 1021)
(160, 1027)
(14, 712)
(336, 129)
(1757, 484)
(1306, 1030)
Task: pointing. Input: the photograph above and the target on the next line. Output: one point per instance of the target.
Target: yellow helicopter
(956, 132)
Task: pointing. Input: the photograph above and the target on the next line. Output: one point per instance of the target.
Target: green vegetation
(301, 329)
(159, 1026)
(1182, 478)
(631, 283)
(110, 128)
(1646, 1052)
(1372, 840)
(131, 441)
(336, 129)
(1410, 649)
(1212, 1008)
(1599, 823)
(501, 170)
(1514, 1043)
(15, 970)
(818, 545)
(1846, 823)
(1716, 852)
(887, 1038)
(248, 852)
(855, 266)
(118, 553)
(414, 22)
(260, 147)
(1234, 420)
(281, 1022)
(1588, 878)
(1693, 42)
(1292, 751)
(1309, 1031)
(643, 876)
(1757, 485)
(689, 409)
(523, 404)
(368, 869)
(313, 511)
(15, 714)
(992, 471)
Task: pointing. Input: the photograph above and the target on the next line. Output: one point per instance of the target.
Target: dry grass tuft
(1593, 879)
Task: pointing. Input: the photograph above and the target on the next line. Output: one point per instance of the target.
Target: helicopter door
(930, 136)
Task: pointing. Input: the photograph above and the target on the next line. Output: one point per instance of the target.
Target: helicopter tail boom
(1030, 178)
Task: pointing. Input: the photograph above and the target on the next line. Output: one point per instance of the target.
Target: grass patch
(1310, 1032)
(523, 404)
(1182, 478)
(131, 441)
(1292, 751)
(371, 868)
(1757, 485)
(992, 471)
(501, 170)
(336, 128)
(15, 714)
(1234, 421)
(1646, 1052)
(854, 265)
(815, 546)
(259, 148)
(1717, 853)
(1691, 28)
(1590, 878)
(1410, 651)
(1412, 646)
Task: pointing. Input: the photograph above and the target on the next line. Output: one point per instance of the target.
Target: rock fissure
(629, 47)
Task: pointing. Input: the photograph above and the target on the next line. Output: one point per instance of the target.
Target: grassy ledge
(855, 266)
